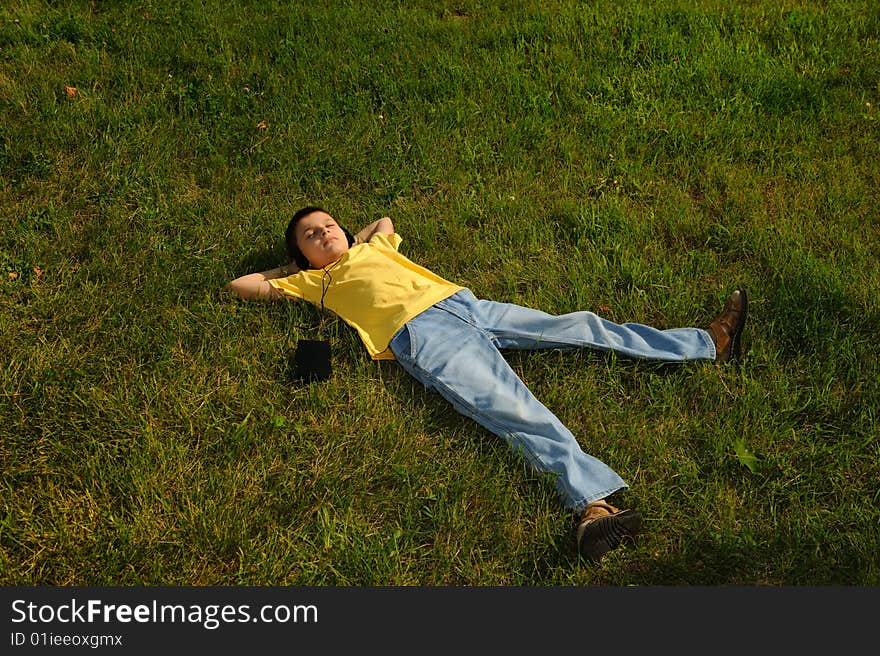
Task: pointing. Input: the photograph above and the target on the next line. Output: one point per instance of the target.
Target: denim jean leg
(517, 327)
(449, 355)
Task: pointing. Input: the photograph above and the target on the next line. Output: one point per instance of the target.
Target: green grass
(636, 159)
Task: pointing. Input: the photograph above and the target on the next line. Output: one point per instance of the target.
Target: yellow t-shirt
(373, 288)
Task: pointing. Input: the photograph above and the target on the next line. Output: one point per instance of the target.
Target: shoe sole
(606, 533)
(736, 347)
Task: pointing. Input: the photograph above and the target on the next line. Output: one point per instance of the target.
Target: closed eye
(312, 232)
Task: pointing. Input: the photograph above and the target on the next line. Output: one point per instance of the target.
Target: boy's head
(314, 239)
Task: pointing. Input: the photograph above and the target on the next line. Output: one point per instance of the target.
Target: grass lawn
(639, 160)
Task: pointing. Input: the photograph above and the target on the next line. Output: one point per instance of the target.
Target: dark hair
(290, 236)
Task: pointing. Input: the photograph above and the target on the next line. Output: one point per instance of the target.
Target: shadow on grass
(734, 559)
(810, 313)
(263, 259)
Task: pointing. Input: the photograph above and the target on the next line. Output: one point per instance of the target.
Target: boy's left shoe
(726, 329)
(602, 527)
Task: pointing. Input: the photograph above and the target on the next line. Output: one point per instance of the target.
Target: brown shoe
(602, 527)
(726, 329)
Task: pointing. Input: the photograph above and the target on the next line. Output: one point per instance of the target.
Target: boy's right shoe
(602, 527)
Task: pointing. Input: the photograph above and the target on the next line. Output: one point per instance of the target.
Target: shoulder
(386, 240)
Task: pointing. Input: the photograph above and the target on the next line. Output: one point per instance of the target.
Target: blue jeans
(453, 348)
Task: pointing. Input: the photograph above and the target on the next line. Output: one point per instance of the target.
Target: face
(320, 239)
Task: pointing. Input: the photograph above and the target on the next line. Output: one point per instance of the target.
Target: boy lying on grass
(451, 342)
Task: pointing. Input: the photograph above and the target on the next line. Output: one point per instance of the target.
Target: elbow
(252, 290)
(232, 288)
(239, 288)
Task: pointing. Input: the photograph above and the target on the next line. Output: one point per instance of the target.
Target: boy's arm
(256, 287)
(382, 225)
